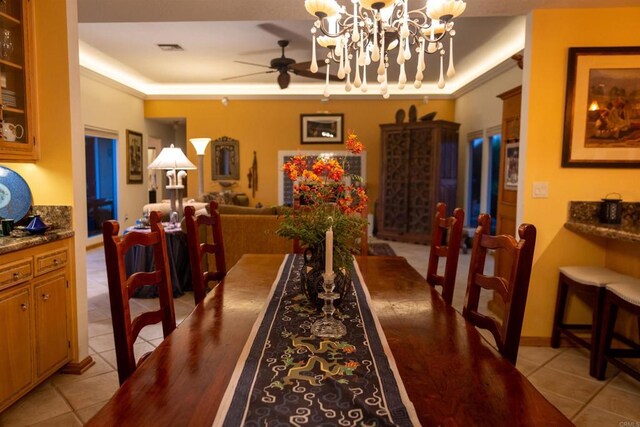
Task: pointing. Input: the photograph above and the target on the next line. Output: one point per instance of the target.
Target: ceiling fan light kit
(375, 28)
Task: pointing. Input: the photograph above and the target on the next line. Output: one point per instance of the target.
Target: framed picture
(134, 157)
(225, 159)
(321, 128)
(511, 151)
(602, 111)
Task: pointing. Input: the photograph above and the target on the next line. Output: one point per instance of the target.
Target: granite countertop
(617, 232)
(12, 244)
(583, 218)
(59, 217)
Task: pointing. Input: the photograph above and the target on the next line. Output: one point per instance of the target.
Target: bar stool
(626, 295)
(591, 280)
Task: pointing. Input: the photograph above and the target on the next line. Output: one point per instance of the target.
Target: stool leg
(609, 315)
(596, 329)
(561, 302)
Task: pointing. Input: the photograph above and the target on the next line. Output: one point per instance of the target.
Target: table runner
(286, 376)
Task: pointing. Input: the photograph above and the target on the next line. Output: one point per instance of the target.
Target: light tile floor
(561, 375)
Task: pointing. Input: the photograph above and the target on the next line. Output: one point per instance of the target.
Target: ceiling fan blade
(318, 76)
(296, 40)
(302, 66)
(247, 75)
(252, 63)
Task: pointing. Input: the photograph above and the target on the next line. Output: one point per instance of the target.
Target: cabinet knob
(56, 261)
(24, 307)
(45, 297)
(16, 276)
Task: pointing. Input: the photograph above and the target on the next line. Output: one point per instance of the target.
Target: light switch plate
(540, 190)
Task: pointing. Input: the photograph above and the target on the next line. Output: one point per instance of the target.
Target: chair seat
(592, 275)
(628, 290)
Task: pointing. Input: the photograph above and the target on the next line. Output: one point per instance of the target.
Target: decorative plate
(15, 196)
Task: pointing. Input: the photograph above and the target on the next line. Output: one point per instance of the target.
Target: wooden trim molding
(78, 368)
(544, 342)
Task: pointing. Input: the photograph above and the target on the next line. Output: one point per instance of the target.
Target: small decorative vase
(312, 279)
(36, 225)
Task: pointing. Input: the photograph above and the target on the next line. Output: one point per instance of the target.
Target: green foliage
(309, 224)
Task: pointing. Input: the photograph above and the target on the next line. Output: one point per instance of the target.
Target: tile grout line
(604, 384)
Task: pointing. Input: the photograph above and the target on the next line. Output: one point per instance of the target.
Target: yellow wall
(552, 33)
(50, 178)
(268, 126)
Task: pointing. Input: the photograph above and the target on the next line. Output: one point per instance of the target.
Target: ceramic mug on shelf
(11, 132)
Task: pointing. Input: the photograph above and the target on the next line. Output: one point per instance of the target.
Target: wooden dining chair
(212, 244)
(518, 256)
(121, 288)
(445, 243)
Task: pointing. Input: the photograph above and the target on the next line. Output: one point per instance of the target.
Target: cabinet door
(421, 184)
(17, 93)
(15, 342)
(395, 181)
(52, 346)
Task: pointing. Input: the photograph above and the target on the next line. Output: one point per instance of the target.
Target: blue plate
(15, 196)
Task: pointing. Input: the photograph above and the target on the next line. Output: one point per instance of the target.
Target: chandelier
(374, 30)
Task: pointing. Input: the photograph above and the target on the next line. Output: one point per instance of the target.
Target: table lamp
(171, 159)
(200, 144)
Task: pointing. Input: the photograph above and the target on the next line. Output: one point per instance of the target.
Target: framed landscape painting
(602, 110)
(321, 128)
(134, 157)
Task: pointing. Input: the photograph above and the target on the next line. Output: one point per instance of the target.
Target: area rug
(380, 249)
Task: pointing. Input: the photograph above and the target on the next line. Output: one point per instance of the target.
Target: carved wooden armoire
(419, 169)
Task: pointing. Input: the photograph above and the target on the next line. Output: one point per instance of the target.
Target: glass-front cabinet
(17, 86)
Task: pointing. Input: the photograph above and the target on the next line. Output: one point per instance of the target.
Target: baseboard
(94, 245)
(78, 368)
(544, 342)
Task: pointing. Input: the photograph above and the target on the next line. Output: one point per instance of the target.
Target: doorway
(102, 190)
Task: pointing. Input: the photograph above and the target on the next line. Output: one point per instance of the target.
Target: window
(475, 181)
(100, 154)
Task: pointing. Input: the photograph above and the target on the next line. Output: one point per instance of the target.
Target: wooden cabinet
(52, 344)
(35, 314)
(419, 169)
(17, 81)
(15, 342)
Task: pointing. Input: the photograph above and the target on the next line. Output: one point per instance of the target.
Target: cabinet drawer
(50, 261)
(16, 272)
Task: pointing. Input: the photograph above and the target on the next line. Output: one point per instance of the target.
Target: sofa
(245, 230)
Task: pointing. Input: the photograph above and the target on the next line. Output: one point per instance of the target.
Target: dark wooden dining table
(451, 373)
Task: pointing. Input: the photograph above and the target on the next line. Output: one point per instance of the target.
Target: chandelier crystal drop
(370, 31)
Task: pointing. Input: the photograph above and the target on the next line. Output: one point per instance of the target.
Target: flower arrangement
(329, 198)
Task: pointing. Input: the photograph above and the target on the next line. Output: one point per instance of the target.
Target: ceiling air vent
(169, 47)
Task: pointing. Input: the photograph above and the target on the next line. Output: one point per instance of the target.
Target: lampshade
(200, 144)
(171, 158)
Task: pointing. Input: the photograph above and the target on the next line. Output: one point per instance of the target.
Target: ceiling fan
(283, 66)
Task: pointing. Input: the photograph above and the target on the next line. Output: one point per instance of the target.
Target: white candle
(328, 254)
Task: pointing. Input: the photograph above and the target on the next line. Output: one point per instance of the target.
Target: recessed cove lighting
(167, 47)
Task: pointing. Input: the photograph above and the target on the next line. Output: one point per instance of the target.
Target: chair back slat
(493, 283)
(121, 287)
(198, 249)
(513, 289)
(144, 319)
(445, 243)
(142, 278)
